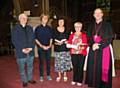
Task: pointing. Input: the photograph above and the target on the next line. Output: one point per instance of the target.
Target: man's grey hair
(22, 15)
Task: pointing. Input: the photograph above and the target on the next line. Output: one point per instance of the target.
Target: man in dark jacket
(23, 41)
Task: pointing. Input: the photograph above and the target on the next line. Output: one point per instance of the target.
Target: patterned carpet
(9, 76)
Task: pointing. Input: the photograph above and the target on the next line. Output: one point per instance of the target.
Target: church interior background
(72, 10)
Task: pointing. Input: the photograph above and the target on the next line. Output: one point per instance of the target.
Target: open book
(60, 41)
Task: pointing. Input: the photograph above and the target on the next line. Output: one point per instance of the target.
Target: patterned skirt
(62, 61)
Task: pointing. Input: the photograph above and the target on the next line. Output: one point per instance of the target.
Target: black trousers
(78, 63)
(44, 55)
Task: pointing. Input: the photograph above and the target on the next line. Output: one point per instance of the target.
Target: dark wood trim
(117, 64)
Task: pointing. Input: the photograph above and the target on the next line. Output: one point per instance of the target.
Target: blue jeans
(44, 54)
(22, 62)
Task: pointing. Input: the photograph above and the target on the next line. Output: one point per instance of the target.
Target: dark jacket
(22, 37)
(43, 34)
(105, 33)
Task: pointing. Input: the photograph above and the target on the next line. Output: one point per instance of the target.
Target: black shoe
(32, 81)
(25, 84)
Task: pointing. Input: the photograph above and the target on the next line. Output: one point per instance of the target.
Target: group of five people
(69, 50)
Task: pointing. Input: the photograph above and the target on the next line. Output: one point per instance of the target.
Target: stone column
(45, 6)
(17, 7)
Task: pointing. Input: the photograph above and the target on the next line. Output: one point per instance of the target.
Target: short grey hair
(22, 15)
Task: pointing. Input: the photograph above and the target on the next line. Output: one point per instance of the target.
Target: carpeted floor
(9, 76)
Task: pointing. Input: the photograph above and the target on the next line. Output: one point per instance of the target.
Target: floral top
(78, 40)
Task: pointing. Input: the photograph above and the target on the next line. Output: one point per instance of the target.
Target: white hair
(22, 15)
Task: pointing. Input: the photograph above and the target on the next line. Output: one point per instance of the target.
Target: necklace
(97, 28)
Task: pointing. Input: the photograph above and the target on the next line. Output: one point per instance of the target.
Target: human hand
(26, 50)
(95, 46)
(81, 47)
(46, 47)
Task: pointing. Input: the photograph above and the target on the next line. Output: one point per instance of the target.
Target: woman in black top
(62, 55)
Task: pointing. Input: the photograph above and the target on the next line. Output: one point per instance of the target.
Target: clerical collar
(43, 25)
(23, 26)
(99, 22)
